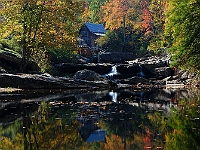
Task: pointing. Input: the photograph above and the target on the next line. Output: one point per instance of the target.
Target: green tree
(39, 24)
(114, 41)
(182, 30)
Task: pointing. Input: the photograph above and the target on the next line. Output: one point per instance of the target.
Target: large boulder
(11, 60)
(162, 72)
(42, 81)
(31, 81)
(127, 70)
(91, 77)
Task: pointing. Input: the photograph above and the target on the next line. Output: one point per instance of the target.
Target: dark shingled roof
(96, 28)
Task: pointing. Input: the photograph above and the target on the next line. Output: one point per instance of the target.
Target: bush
(62, 55)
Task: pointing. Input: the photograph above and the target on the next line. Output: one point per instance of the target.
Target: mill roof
(97, 29)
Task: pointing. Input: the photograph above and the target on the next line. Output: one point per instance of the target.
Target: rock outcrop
(82, 79)
(33, 81)
(151, 67)
(11, 61)
(72, 68)
(92, 78)
(148, 72)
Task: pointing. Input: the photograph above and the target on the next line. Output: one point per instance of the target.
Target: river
(123, 119)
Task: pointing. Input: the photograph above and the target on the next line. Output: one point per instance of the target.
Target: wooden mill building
(88, 33)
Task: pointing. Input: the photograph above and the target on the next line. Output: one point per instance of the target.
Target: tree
(114, 41)
(182, 30)
(93, 11)
(119, 13)
(40, 24)
(95, 8)
(157, 11)
(146, 16)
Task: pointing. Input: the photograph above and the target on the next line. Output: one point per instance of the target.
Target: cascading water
(112, 72)
(141, 74)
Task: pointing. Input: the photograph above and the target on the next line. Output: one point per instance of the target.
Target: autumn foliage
(39, 24)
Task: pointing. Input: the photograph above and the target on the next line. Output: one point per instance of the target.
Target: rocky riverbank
(145, 72)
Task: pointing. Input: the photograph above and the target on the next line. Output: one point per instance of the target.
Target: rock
(127, 70)
(151, 62)
(3, 70)
(82, 79)
(185, 75)
(10, 61)
(162, 72)
(91, 77)
(25, 81)
(39, 81)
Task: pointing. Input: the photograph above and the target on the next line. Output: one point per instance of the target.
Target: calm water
(125, 119)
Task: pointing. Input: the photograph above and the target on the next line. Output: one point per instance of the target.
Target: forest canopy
(38, 25)
(51, 27)
(182, 30)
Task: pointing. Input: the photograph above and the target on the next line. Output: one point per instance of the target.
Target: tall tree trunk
(25, 57)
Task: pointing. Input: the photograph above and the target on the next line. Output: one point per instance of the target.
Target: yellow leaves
(114, 13)
(43, 18)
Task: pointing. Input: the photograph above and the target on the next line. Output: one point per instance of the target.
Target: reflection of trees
(45, 130)
(55, 132)
(125, 127)
(185, 125)
(128, 127)
(181, 128)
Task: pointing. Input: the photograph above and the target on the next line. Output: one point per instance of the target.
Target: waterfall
(112, 72)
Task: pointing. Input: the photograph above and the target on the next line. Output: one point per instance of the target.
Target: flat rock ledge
(89, 79)
(46, 81)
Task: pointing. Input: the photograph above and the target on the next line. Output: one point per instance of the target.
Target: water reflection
(122, 119)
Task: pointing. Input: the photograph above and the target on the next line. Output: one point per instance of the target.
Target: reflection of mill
(125, 111)
(90, 132)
